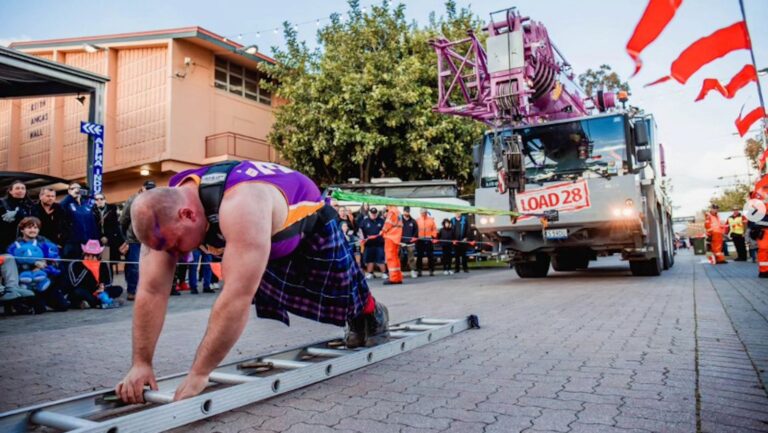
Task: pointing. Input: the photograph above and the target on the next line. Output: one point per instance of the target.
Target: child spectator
(35, 272)
(446, 244)
(84, 288)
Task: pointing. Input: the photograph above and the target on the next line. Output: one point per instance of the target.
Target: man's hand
(123, 248)
(193, 385)
(131, 388)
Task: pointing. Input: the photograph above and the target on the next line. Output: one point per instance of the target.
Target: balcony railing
(243, 146)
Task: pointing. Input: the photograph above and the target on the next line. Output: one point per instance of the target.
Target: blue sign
(96, 131)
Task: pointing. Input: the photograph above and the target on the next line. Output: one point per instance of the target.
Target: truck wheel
(667, 262)
(537, 269)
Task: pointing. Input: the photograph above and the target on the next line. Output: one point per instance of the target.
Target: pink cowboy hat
(92, 247)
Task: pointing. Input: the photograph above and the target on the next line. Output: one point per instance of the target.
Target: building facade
(176, 99)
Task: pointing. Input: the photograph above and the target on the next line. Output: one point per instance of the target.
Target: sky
(697, 136)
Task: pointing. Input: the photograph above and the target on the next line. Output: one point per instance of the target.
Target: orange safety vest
(393, 227)
(427, 227)
(713, 224)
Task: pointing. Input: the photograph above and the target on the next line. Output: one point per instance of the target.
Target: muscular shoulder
(251, 199)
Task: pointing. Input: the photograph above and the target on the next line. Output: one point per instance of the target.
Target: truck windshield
(589, 147)
(596, 145)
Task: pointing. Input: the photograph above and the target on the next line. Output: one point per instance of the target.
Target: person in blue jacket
(82, 222)
(33, 254)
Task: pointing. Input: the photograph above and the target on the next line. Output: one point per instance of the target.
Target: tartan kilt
(319, 280)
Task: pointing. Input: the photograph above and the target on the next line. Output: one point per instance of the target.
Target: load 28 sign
(564, 197)
(96, 131)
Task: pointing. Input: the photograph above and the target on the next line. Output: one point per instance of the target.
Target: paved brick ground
(594, 351)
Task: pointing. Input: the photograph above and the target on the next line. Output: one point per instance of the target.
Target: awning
(23, 75)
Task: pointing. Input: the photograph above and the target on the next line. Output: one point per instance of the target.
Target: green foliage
(604, 78)
(753, 148)
(735, 196)
(361, 106)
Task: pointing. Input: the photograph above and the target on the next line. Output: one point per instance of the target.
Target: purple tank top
(302, 195)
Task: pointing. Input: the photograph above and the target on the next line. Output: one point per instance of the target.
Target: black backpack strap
(211, 191)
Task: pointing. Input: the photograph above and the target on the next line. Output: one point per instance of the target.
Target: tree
(730, 197)
(604, 78)
(753, 148)
(361, 106)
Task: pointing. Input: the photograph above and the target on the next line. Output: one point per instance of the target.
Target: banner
(657, 15)
(96, 131)
(563, 197)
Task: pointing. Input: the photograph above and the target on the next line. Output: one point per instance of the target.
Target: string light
(276, 30)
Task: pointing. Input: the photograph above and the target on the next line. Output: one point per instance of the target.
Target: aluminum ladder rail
(230, 385)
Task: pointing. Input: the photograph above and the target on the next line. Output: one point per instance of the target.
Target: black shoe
(431, 273)
(377, 326)
(388, 282)
(208, 290)
(762, 275)
(466, 271)
(175, 292)
(418, 274)
(193, 291)
(354, 332)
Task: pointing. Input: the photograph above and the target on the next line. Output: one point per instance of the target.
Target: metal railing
(243, 146)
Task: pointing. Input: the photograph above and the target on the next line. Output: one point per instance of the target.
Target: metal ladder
(230, 385)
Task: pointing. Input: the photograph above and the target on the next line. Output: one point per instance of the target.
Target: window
(561, 150)
(240, 81)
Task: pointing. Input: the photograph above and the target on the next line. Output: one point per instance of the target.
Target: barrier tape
(381, 200)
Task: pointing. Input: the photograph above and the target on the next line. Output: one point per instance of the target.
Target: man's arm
(246, 222)
(148, 317)
(152, 294)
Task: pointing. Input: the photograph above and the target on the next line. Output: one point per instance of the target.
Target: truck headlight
(626, 212)
(616, 212)
(483, 220)
(491, 220)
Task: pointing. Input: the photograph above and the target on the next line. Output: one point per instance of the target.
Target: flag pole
(764, 128)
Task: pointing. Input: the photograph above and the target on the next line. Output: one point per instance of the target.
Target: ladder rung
(230, 379)
(401, 334)
(436, 322)
(329, 353)
(418, 328)
(60, 421)
(157, 397)
(286, 364)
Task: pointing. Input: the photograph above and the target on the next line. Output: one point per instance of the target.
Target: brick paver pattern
(592, 351)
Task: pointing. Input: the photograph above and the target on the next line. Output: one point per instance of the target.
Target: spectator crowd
(421, 244)
(62, 255)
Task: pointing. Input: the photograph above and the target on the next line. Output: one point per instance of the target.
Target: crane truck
(584, 175)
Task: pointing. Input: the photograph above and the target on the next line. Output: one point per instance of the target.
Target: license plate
(556, 234)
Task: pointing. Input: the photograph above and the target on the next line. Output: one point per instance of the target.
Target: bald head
(169, 219)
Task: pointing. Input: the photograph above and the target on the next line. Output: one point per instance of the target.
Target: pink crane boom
(517, 80)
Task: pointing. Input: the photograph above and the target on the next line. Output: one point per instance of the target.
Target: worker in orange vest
(427, 233)
(715, 231)
(393, 233)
